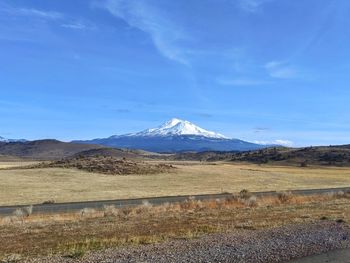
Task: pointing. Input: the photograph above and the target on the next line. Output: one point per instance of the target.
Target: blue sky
(258, 70)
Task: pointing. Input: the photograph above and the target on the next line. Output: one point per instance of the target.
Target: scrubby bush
(284, 197)
(19, 213)
(251, 201)
(23, 212)
(146, 203)
(126, 211)
(245, 194)
(87, 212)
(191, 198)
(109, 210)
(49, 202)
(303, 164)
(338, 194)
(28, 210)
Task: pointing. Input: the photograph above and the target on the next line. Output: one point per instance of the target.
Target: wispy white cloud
(39, 13)
(140, 14)
(242, 82)
(286, 143)
(260, 129)
(251, 6)
(30, 12)
(78, 25)
(46, 15)
(280, 69)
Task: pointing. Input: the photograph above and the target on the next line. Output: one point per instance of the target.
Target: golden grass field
(29, 186)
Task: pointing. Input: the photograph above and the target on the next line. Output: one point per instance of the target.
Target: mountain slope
(176, 136)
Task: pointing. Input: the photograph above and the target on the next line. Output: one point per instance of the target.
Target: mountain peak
(177, 126)
(172, 122)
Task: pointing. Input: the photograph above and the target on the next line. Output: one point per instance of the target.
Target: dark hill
(43, 149)
(321, 155)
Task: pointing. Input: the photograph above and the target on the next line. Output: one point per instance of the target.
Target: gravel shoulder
(337, 256)
(270, 245)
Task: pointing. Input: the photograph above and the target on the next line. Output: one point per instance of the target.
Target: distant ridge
(43, 149)
(338, 155)
(176, 135)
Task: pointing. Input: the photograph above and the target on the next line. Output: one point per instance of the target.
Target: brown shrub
(245, 194)
(285, 196)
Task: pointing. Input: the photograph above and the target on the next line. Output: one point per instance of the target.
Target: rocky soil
(269, 245)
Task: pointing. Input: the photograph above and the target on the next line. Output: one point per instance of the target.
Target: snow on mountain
(175, 135)
(2, 139)
(179, 127)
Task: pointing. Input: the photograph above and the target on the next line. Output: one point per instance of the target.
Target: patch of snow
(178, 127)
(2, 139)
(286, 143)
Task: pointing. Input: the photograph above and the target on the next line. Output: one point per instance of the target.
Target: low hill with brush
(117, 153)
(107, 165)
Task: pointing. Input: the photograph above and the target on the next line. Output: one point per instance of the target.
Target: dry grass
(74, 234)
(20, 186)
(12, 164)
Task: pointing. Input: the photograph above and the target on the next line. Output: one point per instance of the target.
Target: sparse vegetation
(49, 202)
(303, 164)
(19, 213)
(245, 194)
(28, 210)
(251, 201)
(284, 196)
(87, 212)
(75, 252)
(109, 210)
(72, 234)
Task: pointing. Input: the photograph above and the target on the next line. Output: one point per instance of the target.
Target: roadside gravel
(269, 245)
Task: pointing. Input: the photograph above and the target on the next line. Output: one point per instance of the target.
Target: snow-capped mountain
(178, 127)
(176, 135)
(5, 140)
